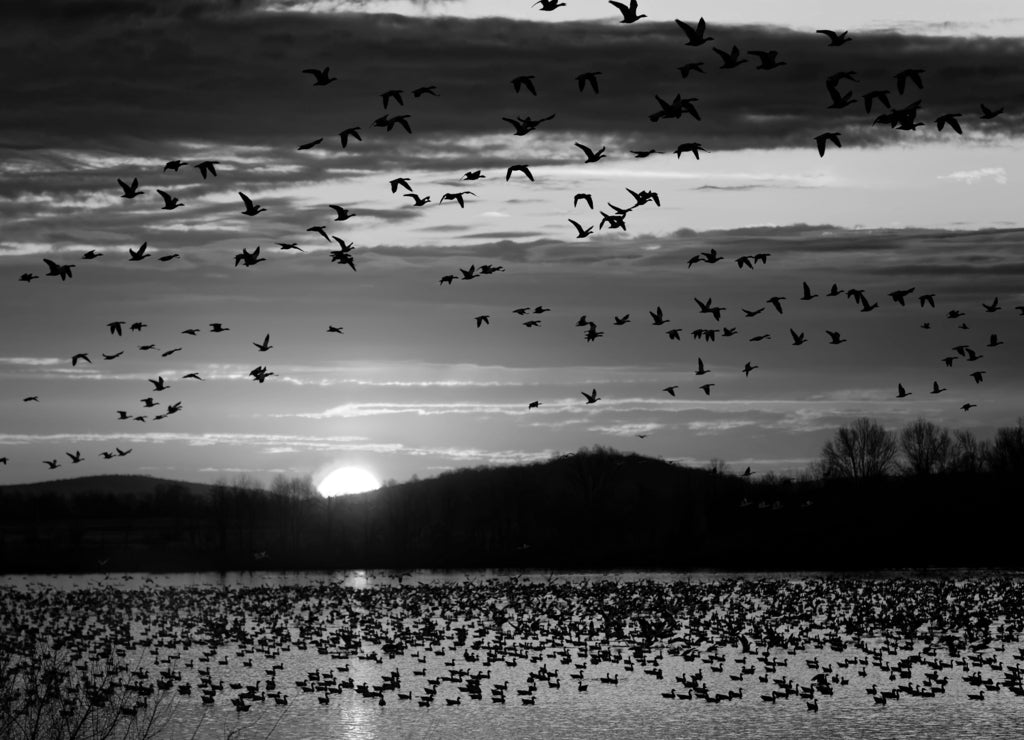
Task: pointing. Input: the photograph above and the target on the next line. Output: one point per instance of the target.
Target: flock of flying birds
(903, 118)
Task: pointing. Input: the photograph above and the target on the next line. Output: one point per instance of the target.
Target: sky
(114, 89)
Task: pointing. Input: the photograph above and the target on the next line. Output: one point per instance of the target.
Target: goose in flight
(481, 320)
(137, 255)
(289, 245)
(629, 14)
(977, 375)
(585, 197)
(899, 296)
(76, 456)
(902, 392)
(695, 35)
(61, 271)
(264, 345)
(777, 302)
(949, 119)
(26, 399)
(130, 191)
(107, 455)
(457, 197)
(987, 114)
(707, 388)
(531, 323)
(321, 77)
(523, 126)
(28, 277)
(694, 147)
(159, 384)
(473, 175)
(207, 168)
(822, 139)
(191, 376)
(582, 80)
(80, 356)
(217, 327)
(751, 314)
(353, 132)
(675, 109)
(321, 231)
(251, 209)
(519, 168)
(398, 182)
(309, 145)
(658, 317)
(592, 156)
(621, 320)
(425, 90)
(170, 202)
(968, 406)
(690, 67)
(518, 83)
(701, 370)
(591, 397)
(249, 259)
(417, 200)
(581, 233)
(137, 326)
(914, 75)
(748, 368)
(174, 164)
(260, 373)
(548, 5)
(798, 338)
(113, 356)
(935, 387)
(834, 337)
(168, 353)
(341, 213)
(388, 123)
(671, 390)
(52, 463)
(768, 59)
(730, 59)
(335, 329)
(122, 453)
(993, 341)
(389, 95)
(993, 306)
(533, 405)
(882, 96)
(835, 39)
(807, 294)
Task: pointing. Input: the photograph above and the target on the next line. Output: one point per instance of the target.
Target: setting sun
(346, 480)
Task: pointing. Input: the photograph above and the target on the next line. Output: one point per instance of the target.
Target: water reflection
(364, 654)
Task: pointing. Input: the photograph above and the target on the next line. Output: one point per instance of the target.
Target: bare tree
(927, 448)
(1006, 455)
(863, 449)
(969, 453)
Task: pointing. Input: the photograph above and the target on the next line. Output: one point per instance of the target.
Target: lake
(498, 654)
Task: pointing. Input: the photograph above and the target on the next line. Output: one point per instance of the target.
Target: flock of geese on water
(129, 643)
(902, 118)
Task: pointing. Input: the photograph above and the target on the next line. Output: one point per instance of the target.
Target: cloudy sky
(114, 89)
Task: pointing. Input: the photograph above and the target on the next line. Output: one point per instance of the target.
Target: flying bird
(132, 190)
(591, 397)
(695, 35)
(519, 168)
(321, 77)
(251, 209)
(207, 168)
(835, 39)
(629, 14)
(170, 202)
(518, 83)
(587, 78)
(823, 139)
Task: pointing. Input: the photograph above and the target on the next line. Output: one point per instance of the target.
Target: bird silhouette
(581, 233)
(130, 190)
(587, 78)
(629, 12)
(264, 345)
(835, 39)
(913, 75)
(518, 168)
(524, 81)
(695, 35)
(321, 77)
(585, 197)
(591, 397)
(592, 156)
(170, 202)
(658, 317)
(309, 145)
(901, 391)
(457, 197)
(693, 147)
(251, 209)
(822, 139)
(348, 133)
(949, 119)
(690, 67)
(207, 168)
(80, 356)
(987, 114)
(174, 165)
(730, 59)
(748, 368)
(481, 320)
(707, 388)
(137, 255)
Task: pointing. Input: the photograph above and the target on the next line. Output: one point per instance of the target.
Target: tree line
(917, 496)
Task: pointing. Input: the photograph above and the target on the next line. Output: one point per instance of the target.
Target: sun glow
(346, 480)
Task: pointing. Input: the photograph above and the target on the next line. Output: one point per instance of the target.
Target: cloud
(972, 177)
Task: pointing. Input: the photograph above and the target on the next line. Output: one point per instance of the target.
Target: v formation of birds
(837, 92)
